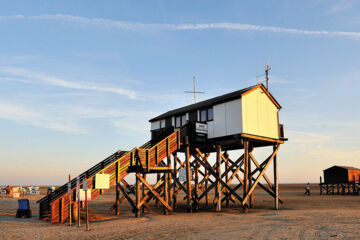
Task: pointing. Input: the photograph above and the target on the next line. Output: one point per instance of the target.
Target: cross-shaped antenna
(194, 92)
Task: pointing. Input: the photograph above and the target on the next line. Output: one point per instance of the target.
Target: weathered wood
(261, 174)
(246, 174)
(138, 197)
(70, 201)
(196, 195)
(218, 172)
(117, 197)
(154, 193)
(211, 171)
(174, 176)
(127, 196)
(276, 183)
(188, 177)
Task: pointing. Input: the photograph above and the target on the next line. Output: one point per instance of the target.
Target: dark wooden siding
(193, 116)
(340, 175)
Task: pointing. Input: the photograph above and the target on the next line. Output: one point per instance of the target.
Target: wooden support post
(196, 197)
(78, 200)
(117, 181)
(276, 183)
(218, 172)
(251, 199)
(86, 206)
(142, 209)
(166, 192)
(188, 176)
(175, 174)
(226, 155)
(70, 201)
(158, 174)
(246, 173)
(321, 186)
(206, 188)
(138, 189)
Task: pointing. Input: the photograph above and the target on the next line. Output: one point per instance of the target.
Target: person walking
(307, 189)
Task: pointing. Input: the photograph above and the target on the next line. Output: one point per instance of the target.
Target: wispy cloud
(123, 25)
(40, 118)
(22, 74)
(343, 5)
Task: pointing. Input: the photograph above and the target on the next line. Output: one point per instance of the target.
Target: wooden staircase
(55, 206)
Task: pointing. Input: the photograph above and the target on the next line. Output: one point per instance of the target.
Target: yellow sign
(102, 181)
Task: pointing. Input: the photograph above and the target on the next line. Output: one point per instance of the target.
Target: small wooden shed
(252, 110)
(341, 174)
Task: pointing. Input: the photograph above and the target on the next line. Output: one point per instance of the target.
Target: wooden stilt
(251, 199)
(142, 209)
(188, 176)
(117, 203)
(276, 183)
(226, 155)
(175, 173)
(218, 172)
(137, 201)
(321, 186)
(158, 174)
(87, 206)
(206, 189)
(70, 201)
(196, 197)
(246, 173)
(166, 192)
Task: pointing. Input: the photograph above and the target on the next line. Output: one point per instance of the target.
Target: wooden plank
(188, 177)
(207, 165)
(261, 174)
(155, 193)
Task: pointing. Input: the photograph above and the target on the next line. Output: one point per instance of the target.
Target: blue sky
(79, 80)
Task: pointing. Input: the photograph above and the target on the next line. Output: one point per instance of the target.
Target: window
(210, 114)
(180, 121)
(183, 120)
(203, 117)
(206, 115)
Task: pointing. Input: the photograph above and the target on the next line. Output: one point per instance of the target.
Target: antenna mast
(194, 92)
(267, 69)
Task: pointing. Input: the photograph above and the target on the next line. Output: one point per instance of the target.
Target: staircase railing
(55, 206)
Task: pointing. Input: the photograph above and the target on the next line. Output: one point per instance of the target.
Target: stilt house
(341, 174)
(226, 118)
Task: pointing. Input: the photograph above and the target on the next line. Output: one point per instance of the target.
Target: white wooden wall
(254, 114)
(260, 115)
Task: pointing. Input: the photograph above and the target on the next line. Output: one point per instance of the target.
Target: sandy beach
(301, 217)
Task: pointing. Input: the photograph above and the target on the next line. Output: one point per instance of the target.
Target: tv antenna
(267, 69)
(194, 92)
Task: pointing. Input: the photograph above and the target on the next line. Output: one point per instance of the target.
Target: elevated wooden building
(340, 180)
(241, 120)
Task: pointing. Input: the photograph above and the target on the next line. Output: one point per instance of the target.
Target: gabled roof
(215, 100)
(344, 167)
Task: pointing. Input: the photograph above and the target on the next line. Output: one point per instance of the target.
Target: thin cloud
(24, 114)
(34, 77)
(343, 5)
(122, 25)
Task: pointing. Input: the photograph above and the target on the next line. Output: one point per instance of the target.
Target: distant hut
(341, 174)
